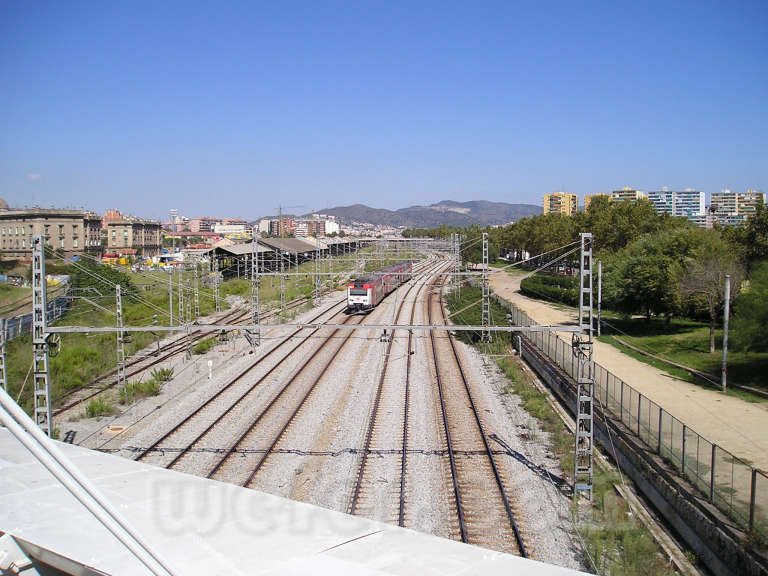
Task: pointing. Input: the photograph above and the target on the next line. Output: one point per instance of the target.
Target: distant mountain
(445, 212)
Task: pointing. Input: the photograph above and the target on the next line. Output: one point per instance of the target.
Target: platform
(204, 527)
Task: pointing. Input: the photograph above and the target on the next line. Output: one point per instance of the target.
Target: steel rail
(168, 350)
(452, 459)
(488, 451)
(272, 402)
(262, 460)
(375, 410)
(229, 385)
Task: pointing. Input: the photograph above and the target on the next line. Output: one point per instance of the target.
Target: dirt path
(738, 426)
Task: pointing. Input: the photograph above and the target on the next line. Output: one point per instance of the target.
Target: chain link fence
(733, 485)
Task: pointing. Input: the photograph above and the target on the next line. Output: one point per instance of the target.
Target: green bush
(98, 407)
(203, 346)
(133, 391)
(563, 289)
(162, 374)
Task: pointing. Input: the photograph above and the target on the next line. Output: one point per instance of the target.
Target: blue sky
(233, 108)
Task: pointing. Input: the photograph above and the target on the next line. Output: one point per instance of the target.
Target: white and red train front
(359, 296)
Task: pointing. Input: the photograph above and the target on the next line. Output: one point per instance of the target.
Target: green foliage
(756, 236)
(162, 374)
(563, 289)
(133, 391)
(75, 365)
(750, 319)
(98, 407)
(103, 278)
(644, 276)
(204, 345)
(467, 310)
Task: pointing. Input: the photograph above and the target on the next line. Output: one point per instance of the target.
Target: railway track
(484, 512)
(170, 451)
(393, 394)
(267, 429)
(250, 453)
(139, 365)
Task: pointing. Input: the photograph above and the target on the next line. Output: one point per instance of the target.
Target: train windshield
(358, 291)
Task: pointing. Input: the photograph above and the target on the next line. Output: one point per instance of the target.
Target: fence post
(639, 406)
(683, 456)
(661, 415)
(752, 498)
(712, 475)
(621, 413)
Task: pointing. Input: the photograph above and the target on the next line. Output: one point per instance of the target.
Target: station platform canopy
(206, 527)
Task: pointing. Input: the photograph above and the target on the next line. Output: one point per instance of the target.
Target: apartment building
(202, 224)
(735, 208)
(140, 237)
(627, 194)
(69, 232)
(561, 203)
(687, 203)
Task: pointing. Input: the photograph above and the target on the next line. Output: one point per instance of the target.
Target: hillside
(445, 212)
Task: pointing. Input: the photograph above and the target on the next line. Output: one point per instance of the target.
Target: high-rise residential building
(589, 197)
(627, 194)
(688, 203)
(735, 208)
(561, 203)
(66, 231)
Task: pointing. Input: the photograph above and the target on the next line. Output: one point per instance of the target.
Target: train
(365, 292)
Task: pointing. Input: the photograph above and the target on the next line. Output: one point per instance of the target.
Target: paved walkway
(738, 426)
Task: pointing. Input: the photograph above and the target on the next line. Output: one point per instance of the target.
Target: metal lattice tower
(197, 294)
(582, 348)
(181, 295)
(318, 286)
(216, 282)
(39, 335)
(457, 263)
(3, 377)
(255, 285)
(486, 292)
(120, 336)
(170, 296)
(282, 284)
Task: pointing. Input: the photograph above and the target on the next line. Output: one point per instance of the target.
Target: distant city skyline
(235, 110)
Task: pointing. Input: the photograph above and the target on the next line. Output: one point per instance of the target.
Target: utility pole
(486, 337)
(3, 377)
(216, 282)
(599, 297)
(181, 295)
(120, 337)
(170, 295)
(197, 294)
(39, 334)
(725, 329)
(582, 348)
(255, 290)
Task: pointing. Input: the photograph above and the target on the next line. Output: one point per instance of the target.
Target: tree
(750, 317)
(756, 236)
(643, 277)
(703, 278)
